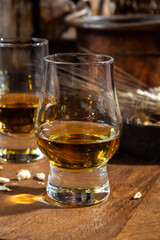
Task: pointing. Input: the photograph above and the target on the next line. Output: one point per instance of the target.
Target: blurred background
(45, 18)
(128, 30)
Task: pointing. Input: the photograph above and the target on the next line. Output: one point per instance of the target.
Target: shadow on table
(26, 199)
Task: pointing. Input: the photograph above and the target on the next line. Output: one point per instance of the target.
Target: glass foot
(78, 188)
(20, 156)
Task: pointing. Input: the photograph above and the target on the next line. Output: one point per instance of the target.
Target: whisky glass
(21, 70)
(78, 126)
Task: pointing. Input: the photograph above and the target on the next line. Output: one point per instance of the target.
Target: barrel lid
(116, 22)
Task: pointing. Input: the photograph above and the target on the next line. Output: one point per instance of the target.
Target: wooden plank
(26, 217)
(145, 222)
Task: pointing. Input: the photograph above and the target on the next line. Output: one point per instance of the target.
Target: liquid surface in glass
(17, 112)
(73, 145)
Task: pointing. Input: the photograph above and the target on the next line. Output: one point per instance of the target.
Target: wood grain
(118, 217)
(145, 221)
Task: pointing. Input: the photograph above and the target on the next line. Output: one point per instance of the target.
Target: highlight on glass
(78, 126)
(21, 69)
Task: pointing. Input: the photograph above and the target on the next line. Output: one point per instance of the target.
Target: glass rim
(21, 42)
(103, 59)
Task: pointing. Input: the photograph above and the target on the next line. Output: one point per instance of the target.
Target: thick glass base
(78, 188)
(20, 156)
(19, 148)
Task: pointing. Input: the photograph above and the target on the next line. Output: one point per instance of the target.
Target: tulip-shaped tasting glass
(78, 126)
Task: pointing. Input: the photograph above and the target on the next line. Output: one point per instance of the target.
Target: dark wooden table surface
(24, 213)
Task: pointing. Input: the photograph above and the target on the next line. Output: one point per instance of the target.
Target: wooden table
(24, 214)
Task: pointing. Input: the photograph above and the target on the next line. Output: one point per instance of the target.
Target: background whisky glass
(21, 69)
(78, 126)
